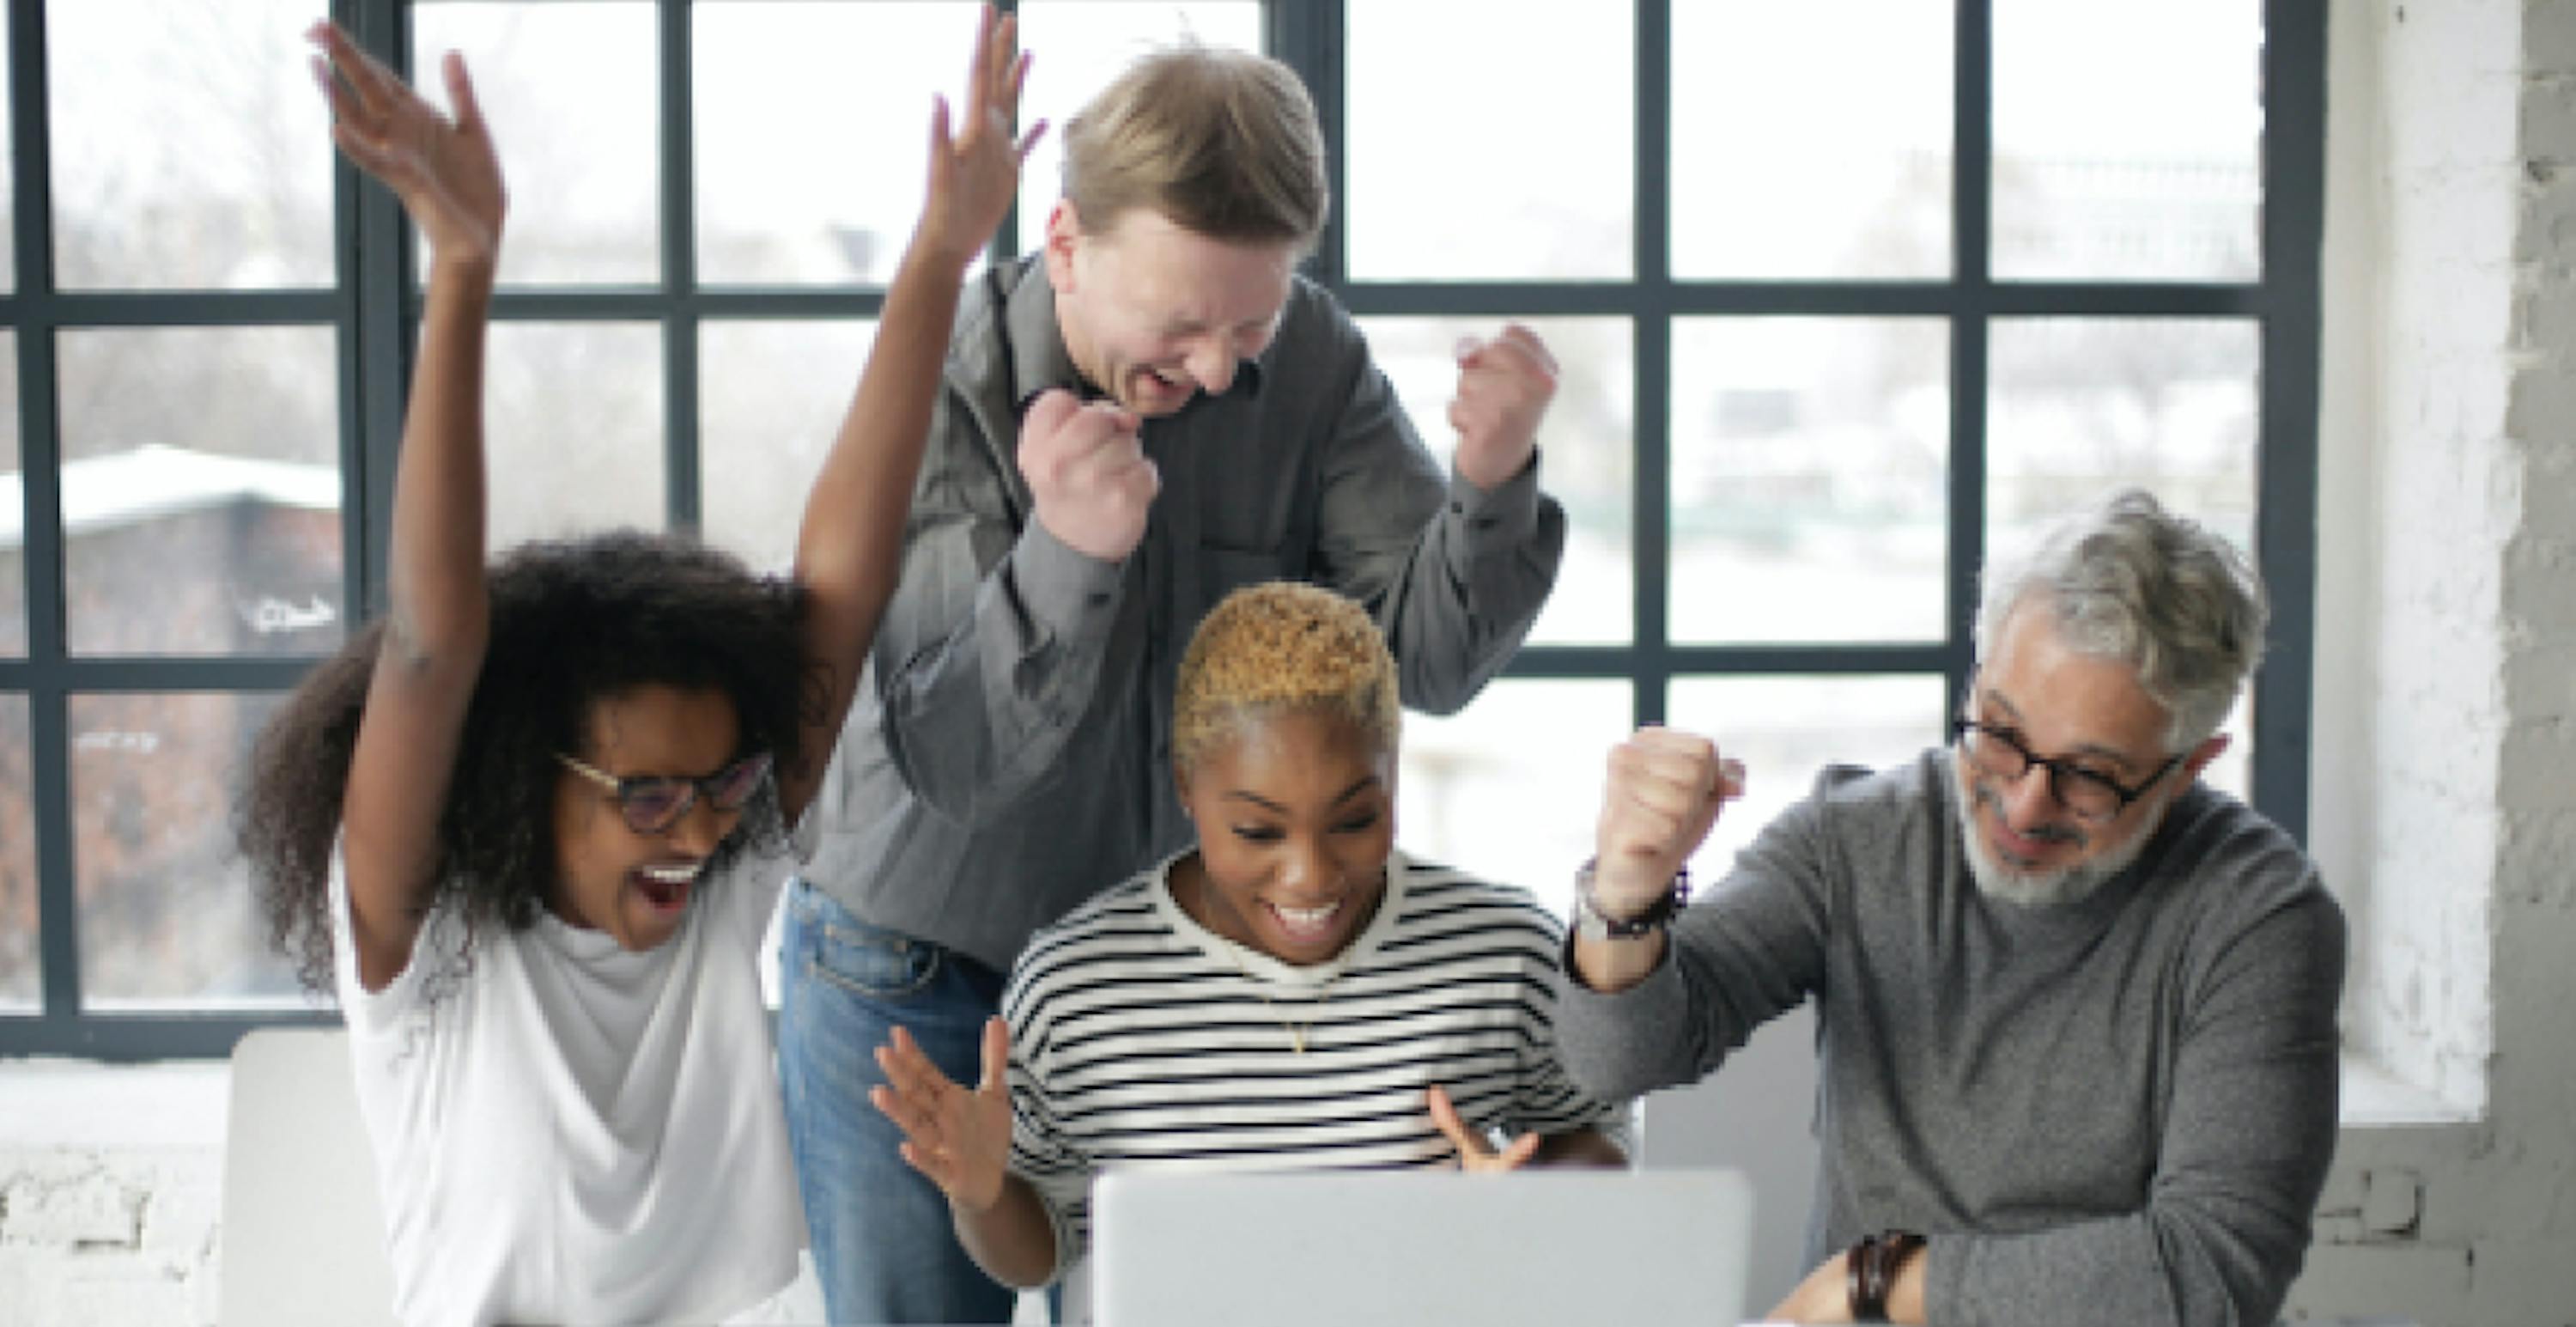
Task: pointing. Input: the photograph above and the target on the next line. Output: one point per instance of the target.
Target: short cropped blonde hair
(1277, 648)
(1225, 143)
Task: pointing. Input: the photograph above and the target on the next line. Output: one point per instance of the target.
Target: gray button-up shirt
(1008, 754)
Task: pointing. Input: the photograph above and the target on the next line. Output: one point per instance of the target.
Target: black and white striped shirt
(1139, 1038)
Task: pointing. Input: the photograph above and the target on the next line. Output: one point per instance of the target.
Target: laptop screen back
(1355, 1250)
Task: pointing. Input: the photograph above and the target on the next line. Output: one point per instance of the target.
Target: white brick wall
(111, 1189)
(2448, 186)
(2447, 708)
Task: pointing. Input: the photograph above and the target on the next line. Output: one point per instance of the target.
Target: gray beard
(2039, 889)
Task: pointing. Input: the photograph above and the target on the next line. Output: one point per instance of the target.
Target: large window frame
(373, 306)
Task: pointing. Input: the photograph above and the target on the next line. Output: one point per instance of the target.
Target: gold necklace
(1323, 993)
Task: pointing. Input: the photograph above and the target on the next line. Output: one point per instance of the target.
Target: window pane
(167, 914)
(574, 430)
(569, 92)
(1587, 444)
(1810, 477)
(2128, 140)
(21, 988)
(13, 508)
(1779, 170)
(771, 396)
(2080, 407)
(1493, 144)
(1510, 787)
(1081, 47)
(1787, 729)
(201, 490)
(813, 133)
(190, 147)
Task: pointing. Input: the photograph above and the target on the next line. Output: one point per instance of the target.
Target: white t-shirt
(566, 1132)
(1140, 1039)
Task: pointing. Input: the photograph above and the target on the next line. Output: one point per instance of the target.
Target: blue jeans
(883, 1246)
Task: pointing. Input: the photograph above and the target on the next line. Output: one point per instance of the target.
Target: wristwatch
(1591, 923)
(1870, 1269)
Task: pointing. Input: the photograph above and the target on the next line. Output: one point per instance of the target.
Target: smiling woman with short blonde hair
(1291, 993)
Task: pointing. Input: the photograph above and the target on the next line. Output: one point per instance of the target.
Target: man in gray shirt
(1153, 411)
(2078, 1046)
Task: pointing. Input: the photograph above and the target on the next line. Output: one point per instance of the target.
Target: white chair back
(304, 1232)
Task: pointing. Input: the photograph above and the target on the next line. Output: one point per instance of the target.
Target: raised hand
(1663, 794)
(975, 170)
(444, 171)
(1475, 1153)
(1089, 473)
(961, 1140)
(1504, 386)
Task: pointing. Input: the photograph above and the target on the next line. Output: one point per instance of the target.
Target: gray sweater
(2118, 1110)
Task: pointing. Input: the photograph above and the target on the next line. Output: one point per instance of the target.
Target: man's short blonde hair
(1281, 647)
(1224, 143)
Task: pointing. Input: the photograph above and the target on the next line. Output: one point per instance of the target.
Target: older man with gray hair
(2078, 1049)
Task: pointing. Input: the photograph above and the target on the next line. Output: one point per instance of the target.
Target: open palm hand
(444, 170)
(975, 162)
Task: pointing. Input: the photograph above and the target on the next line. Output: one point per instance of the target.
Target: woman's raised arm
(438, 622)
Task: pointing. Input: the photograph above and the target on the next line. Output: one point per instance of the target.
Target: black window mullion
(127, 1038)
(40, 463)
(138, 675)
(380, 289)
(1817, 298)
(2294, 106)
(347, 260)
(1309, 37)
(1005, 242)
(1490, 299)
(1972, 144)
(1651, 363)
(178, 308)
(1837, 658)
(679, 270)
(834, 303)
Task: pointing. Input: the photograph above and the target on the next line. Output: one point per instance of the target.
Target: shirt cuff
(1501, 517)
(1660, 975)
(1071, 593)
(1574, 981)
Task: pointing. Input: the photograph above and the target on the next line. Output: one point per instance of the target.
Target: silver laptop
(1355, 1250)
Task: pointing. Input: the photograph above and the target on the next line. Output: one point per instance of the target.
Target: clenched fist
(1088, 471)
(1504, 386)
(1664, 792)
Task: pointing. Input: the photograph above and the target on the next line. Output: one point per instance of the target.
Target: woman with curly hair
(1291, 993)
(500, 822)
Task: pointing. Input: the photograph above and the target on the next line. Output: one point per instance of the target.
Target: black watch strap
(1870, 1270)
